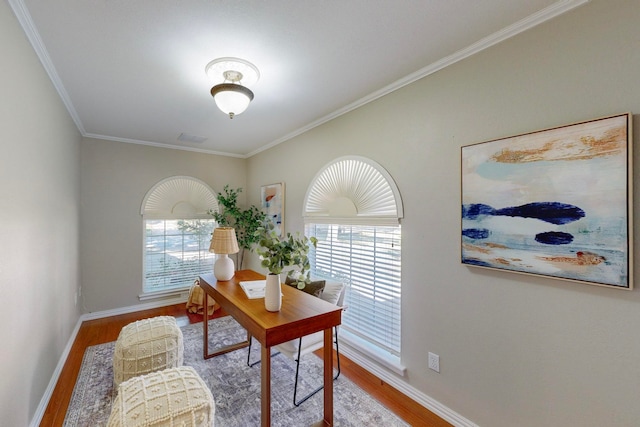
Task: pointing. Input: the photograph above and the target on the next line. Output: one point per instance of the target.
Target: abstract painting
(272, 201)
(555, 202)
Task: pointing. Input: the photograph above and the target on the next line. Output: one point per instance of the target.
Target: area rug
(234, 385)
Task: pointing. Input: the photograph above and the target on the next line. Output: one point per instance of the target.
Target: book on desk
(254, 288)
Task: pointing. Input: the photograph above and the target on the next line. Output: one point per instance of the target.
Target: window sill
(174, 292)
(372, 353)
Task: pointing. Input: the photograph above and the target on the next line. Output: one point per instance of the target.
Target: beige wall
(115, 178)
(39, 222)
(514, 350)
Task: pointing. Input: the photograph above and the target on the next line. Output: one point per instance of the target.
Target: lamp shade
(224, 241)
(231, 98)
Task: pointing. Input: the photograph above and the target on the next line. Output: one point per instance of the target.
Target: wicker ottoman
(173, 397)
(146, 346)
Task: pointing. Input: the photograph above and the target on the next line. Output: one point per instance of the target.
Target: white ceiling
(133, 71)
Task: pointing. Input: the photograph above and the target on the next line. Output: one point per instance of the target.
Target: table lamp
(223, 243)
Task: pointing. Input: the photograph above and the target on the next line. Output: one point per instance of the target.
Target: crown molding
(24, 18)
(525, 24)
(161, 145)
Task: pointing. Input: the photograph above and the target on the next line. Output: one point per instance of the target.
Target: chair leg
(249, 354)
(249, 364)
(295, 387)
(337, 355)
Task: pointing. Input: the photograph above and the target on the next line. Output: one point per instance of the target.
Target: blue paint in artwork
(554, 238)
(552, 212)
(475, 261)
(476, 233)
(474, 210)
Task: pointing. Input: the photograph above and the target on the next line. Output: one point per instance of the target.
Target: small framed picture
(272, 202)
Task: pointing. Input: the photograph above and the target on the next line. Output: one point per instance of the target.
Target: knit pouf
(173, 397)
(146, 346)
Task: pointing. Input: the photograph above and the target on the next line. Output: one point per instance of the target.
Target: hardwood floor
(105, 330)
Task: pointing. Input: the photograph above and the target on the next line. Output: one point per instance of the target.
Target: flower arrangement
(276, 253)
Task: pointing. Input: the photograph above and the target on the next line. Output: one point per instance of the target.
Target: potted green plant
(276, 253)
(244, 221)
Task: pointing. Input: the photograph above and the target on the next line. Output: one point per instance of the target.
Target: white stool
(146, 346)
(173, 397)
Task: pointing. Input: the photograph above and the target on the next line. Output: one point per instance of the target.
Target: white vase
(273, 293)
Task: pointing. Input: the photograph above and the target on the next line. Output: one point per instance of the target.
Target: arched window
(177, 234)
(353, 208)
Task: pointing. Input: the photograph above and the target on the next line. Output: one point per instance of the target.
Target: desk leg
(328, 376)
(205, 323)
(265, 378)
(205, 344)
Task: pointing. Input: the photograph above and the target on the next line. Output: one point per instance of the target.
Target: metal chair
(334, 293)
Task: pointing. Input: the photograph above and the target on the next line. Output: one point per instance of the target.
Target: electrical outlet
(434, 362)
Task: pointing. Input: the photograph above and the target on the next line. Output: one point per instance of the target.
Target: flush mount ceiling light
(227, 73)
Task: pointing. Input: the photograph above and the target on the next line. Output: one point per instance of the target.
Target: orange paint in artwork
(581, 258)
(612, 142)
(474, 248)
(521, 156)
(496, 246)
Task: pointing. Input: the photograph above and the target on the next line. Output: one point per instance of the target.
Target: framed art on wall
(556, 202)
(272, 202)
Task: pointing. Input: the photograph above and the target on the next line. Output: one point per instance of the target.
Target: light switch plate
(434, 362)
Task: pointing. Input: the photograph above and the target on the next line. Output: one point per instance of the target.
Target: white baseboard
(37, 417)
(133, 308)
(428, 402)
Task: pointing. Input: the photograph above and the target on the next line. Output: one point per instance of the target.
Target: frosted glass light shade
(231, 98)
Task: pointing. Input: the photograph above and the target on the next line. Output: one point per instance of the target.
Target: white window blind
(367, 258)
(353, 207)
(176, 253)
(177, 234)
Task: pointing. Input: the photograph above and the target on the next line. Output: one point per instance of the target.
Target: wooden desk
(301, 314)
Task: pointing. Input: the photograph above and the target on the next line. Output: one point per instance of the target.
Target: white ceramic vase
(273, 293)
